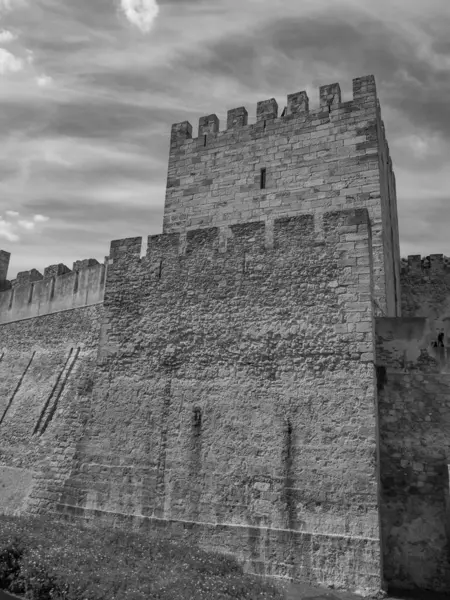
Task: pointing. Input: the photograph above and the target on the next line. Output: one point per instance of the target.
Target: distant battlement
(434, 263)
(330, 106)
(32, 294)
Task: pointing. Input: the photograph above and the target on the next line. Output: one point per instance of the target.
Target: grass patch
(43, 559)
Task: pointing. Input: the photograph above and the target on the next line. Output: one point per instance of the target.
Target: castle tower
(304, 162)
(4, 264)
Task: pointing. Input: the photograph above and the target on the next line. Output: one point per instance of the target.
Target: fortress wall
(41, 359)
(316, 161)
(414, 405)
(4, 264)
(425, 286)
(233, 401)
(389, 212)
(34, 295)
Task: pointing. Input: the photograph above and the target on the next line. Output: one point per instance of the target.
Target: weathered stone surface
(331, 158)
(226, 388)
(414, 405)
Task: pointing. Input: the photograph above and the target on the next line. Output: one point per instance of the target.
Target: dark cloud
(102, 118)
(82, 229)
(117, 92)
(23, 116)
(86, 176)
(422, 226)
(133, 79)
(85, 208)
(351, 45)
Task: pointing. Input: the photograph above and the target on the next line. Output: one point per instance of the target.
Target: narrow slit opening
(75, 283)
(263, 179)
(52, 288)
(30, 295)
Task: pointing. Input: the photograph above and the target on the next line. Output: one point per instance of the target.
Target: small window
(204, 140)
(52, 288)
(263, 179)
(75, 283)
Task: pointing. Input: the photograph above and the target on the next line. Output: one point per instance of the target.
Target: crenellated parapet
(4, 264)
(179, 270)
(348, 227)
(427, 265)
(330, 106)
(33, 294)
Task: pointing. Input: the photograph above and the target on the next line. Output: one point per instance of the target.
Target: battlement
(345, 226)
(330, 106)
(4, 264)
(32, 294)
(433, 263)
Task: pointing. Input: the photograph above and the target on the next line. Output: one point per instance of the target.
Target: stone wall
(330, 158)
(425, 286)
(233, 402)
(414, 405)
(59, 289)
(391, 240)
(4, 264)
(44, 362)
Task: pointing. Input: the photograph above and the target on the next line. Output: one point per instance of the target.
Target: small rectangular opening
(11, 298)
(75, 283)
(263, 179)
(204, 140)
(30, 295)
(52, 288)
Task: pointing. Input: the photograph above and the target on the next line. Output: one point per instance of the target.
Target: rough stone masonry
(248, 385)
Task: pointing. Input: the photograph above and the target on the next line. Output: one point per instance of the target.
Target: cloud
(44, 80)
(6, 231)
(40, 218)
(141, 13)
(27, 224)
(12, 213)
(6, 4)
(9, 63)
(7, 36)
(93, 152)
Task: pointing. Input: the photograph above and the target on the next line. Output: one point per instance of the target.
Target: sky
(89, 90)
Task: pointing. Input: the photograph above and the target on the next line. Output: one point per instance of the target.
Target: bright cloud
(43, 80)
(6, 231)
(141, 13)
(9, 229)
(26, 224)
(6, 36)
(9, 63)
(8, 5)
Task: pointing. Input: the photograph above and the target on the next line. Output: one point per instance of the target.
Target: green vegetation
(43, 559)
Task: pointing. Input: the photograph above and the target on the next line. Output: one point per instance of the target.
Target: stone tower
(303, 162)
